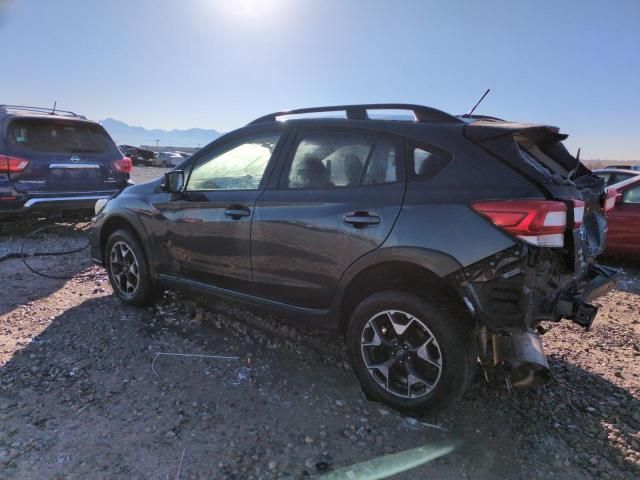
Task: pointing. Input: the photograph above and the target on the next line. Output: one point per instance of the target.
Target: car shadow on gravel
(22, 286)
(578, 424)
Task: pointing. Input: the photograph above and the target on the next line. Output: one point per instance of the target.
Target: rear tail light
(578, 213)
(609, 200)
(537, 222)
(12, 164)
(123, 165)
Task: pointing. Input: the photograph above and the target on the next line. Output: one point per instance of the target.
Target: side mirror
(173, 181)
(619, 198)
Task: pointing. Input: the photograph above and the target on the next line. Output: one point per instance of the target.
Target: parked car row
(141, 156)
(138, 156)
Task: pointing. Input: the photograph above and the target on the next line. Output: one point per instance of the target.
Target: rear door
(64, 155)
(336, 198)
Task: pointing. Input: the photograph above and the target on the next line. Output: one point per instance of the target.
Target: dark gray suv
(432, 242)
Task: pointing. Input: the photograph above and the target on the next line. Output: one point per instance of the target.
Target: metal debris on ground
(180, 464)
(414, 424)
(192, 355)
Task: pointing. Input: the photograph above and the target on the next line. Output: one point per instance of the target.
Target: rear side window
(429, 161)
(327, 159)
(58, 136)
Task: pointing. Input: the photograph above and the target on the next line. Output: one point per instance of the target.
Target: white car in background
(168, 159)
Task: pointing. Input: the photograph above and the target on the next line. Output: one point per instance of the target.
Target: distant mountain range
(124, 134)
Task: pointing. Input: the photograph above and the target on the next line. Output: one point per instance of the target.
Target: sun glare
(249, 10)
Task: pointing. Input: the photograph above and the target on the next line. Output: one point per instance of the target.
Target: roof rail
(359, 112)
(43, 110)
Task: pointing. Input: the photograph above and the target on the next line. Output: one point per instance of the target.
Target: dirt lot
(81, 395)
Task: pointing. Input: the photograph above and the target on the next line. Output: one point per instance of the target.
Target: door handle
(362, 219)
(236, 212)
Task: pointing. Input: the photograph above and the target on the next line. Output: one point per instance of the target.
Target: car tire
(427, 351)
(128, 269)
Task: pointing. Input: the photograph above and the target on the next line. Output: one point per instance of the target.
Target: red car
(624, 218)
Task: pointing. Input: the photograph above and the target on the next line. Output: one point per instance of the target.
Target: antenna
(53, 112)
(476, 105)
(578, 155)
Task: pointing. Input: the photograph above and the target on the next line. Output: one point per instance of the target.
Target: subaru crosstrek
(434, 243)
(53, 160)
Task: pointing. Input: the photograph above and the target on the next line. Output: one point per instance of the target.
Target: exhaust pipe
(522, 358)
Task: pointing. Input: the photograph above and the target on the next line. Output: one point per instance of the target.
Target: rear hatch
(537, 152)
(63, 155)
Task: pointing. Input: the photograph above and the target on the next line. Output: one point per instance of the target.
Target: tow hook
(583, 313)
(521, 359)
(577, 310)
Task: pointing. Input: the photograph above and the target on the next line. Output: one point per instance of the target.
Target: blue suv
(54, 160)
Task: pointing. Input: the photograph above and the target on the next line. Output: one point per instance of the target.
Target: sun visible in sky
(249, 10)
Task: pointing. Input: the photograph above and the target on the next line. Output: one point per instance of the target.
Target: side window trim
(288, 151)
(206, 154)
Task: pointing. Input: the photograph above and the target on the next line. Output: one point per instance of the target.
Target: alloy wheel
(124, 268)
(401, 354)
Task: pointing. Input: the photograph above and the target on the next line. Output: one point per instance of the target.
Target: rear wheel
(409, 353)
(128, 269)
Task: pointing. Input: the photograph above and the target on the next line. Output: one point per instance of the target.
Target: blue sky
(218, 64)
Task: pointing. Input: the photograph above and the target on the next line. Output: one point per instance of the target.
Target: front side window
(239, 166)
(327, 159)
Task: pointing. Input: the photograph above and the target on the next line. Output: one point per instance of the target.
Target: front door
(208, 227)
(337, 198)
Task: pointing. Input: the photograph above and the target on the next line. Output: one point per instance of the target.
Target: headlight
(100, 203)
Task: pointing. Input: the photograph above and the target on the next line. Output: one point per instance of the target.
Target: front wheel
(408, 353)
(128, 269)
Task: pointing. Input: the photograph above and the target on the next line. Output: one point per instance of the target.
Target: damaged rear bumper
(517, 288)
(510, 293)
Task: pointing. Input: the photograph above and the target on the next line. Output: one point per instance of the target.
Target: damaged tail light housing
(578, 213)
(537, 222)
(10, 164)
(123, 165)
(609, 199)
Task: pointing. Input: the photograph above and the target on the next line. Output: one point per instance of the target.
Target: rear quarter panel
(436, 213)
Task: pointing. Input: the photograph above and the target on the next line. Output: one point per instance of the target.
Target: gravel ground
(82, 397)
